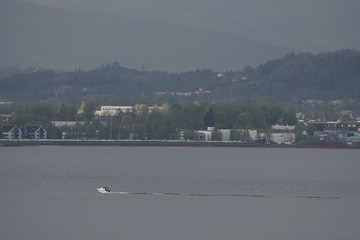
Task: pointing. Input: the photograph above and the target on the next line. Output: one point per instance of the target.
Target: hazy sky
(174, 35)
(297, 24)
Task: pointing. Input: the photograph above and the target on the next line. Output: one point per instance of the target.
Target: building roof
(31, 129)
(344, 112)
(7, 128)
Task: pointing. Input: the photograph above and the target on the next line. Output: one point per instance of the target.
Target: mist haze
(168, 35)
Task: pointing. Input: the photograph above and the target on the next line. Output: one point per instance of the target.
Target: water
(218, 193)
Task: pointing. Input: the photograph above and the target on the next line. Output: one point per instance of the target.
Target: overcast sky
(225, 27)
(280, 22)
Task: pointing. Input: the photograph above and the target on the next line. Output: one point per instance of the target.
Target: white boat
(103, 189)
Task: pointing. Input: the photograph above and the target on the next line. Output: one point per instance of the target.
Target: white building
(112, 110)
(115, 110)
(280, 134)
(67, 123)
(279, 138)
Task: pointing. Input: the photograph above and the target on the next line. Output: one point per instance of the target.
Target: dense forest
(296, 77)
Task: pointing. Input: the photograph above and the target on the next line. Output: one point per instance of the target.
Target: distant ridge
(297, 77)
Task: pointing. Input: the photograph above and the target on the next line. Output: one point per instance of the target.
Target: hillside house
(348, 115)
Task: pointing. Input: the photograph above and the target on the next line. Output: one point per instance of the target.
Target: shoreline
(168, 143)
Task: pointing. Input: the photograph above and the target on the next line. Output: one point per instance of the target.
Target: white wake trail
(101, 190)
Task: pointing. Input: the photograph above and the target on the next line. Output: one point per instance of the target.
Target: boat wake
(107, 191)
(189, 194)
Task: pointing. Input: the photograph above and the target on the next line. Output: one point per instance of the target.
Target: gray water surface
(219, 193)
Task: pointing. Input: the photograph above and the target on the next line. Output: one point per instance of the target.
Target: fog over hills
(169, 35)
(308, 25)
(42, 36)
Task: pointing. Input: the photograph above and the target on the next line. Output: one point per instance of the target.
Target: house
(28, 132)
(5, 117)
(204, 135)
(348, 115)
(223, 77)
(326, 137)
(12, 132)
(36, 132)
(300, 116)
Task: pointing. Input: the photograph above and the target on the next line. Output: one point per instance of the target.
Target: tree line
(162, 122)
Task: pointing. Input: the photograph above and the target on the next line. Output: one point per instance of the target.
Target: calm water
(50, 193)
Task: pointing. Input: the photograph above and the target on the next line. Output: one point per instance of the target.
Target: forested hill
(328, 76)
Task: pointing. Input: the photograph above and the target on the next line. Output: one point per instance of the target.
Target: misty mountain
(308, 25)
(326, 76)
(36, 35)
